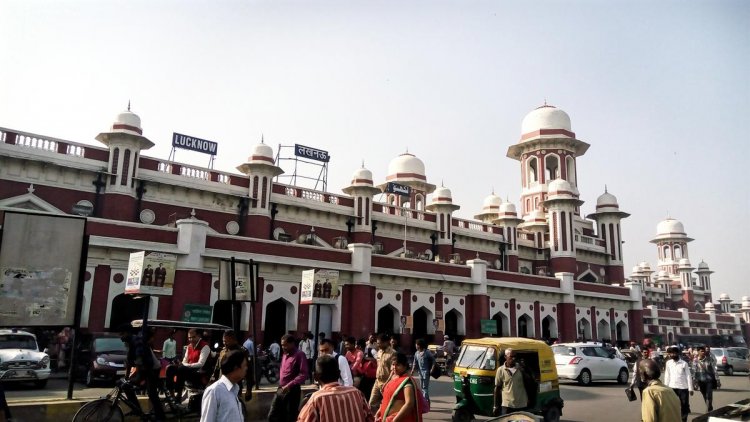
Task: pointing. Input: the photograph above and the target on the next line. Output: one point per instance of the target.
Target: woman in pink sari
(400, 395)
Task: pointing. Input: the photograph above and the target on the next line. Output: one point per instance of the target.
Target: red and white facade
(549, 272)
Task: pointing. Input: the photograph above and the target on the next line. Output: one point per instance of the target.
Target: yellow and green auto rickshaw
(474, 376)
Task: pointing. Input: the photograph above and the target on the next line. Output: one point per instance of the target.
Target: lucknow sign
(311, 153)
(403, 190)
(193, 144)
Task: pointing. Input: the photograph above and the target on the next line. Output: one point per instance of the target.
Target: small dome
(645, 265)
(406, 167)
(491, 203)
(261, 153)
(745, 302)
(536, 216)
(545, 117)
(127, 122)
(606, 200)
(670, 226)
(362, 177)
(709, 306)
(559, 185)
(507, 208)
(724, 296)
(636, 270)
(703, 265)
(442, 194)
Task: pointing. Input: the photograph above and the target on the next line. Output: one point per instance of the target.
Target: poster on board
(244, 291)
(319, 287)
(150, 273)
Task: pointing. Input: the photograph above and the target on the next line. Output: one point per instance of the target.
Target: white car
(21, 360)
(587, 362)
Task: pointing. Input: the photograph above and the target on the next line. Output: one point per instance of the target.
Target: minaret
(548, 150)
(608, 217)
(724, 302)
(561, 204)
(407, 169)
(685, 274)
(442, 205)
(671, 243)
(260, 168)
(704, 278)
(361, 190)
(490, 209)
(125, 141)
(509, 221)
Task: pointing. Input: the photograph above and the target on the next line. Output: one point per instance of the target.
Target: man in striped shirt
(334, 402)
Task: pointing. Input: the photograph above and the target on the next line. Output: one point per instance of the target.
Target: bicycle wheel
(100, 410)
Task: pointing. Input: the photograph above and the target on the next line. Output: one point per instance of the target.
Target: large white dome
(261, 152)
(670, 226)
(406, 166)
(127, 122)
(491, 203)
(545, 117)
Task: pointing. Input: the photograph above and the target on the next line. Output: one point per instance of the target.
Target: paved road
(602, 401)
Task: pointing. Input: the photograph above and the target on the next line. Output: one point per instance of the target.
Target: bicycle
(108, 408)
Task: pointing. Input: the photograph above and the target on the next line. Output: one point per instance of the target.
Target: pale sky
(659, 89)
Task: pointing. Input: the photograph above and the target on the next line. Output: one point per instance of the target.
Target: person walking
(308, 348)
(449, 349)
(704, 372)
(367, 368)
(334, 402)
(660, 403)
(677, 377)
(142, 367)
(510, 392)
(169, 348)
(221, 401)
(635, 381)
(400, 394)
(424, 361)
(327, 347)
(383, 372)
(293, 373)
(231, 344)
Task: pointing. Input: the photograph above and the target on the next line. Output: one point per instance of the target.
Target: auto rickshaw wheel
(462, 415)
(552, 414)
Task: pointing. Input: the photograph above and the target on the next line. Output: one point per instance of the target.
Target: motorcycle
(267, 367)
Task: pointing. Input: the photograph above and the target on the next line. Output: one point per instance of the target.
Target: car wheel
(90, 381)
(40, 383)
(552, 414)
(623, 376)
(585, 377)
(729, 371)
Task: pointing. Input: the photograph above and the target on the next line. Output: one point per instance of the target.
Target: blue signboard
(403, 190)
(193, 144)
(311, 153)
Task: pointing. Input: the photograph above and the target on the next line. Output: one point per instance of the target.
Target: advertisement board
(244, 290)
(319, 287)
(150, 273)
(196, 313)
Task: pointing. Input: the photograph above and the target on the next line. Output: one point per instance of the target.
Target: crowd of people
(685, 371)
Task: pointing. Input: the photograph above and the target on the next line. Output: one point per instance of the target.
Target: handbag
(630, 393)
(435, 372)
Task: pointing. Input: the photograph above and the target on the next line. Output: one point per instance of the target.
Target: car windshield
(17, 341)
(480, 357)
(109, 345)
(564, 350)
(717, 352)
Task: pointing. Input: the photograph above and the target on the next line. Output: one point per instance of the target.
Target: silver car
(731, 359)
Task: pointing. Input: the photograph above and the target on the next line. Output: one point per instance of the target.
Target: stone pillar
(566, 309)
(439, 308)
(406, 338)
(513, 322)
(98, 301)
(594, 324)
(358, 300)
(477, 303)
(537, 320)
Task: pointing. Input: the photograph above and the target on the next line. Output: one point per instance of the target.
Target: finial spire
(545, 101)
(128, 105)
(363, 163)
(262, 141)
(605, 188)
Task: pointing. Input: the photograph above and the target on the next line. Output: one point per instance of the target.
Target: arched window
(528, 205)
(533, 170)
(115, 166)
(125, 167)
(420, 202)
(666, 250)
(677, 252)
(552, 166)
(570, 165)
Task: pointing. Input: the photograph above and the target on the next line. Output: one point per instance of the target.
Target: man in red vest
(189, 369)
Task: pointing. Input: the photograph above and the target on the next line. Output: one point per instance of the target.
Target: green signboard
(489, 326)
(196, 313)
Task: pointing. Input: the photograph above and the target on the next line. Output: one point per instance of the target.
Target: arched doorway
(525, 326)
(584, 329)
(276, 321)
(454, 324)
(222, 313)
(622, 331)
(549, 328)
(125, 308)
(387, 318)
(422, 319)
(602, 330)
(503, 324)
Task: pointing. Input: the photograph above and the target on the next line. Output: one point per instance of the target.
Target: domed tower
(407, 169)
(125, 141)
(260, 168)
(490, 209)
(724, 302)
(547, 150)
(608, 217)
(361, 189)
(561, 204)
(442, 205)
(704, 277)
(509, 221)
(671, 243)
(746, 309)
(685, 275)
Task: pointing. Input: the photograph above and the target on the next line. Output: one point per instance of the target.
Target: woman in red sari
(400, 401)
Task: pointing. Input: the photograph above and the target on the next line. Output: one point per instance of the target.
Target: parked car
(587, 362)
(101, 357)
(731, 359)
(21, 360)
